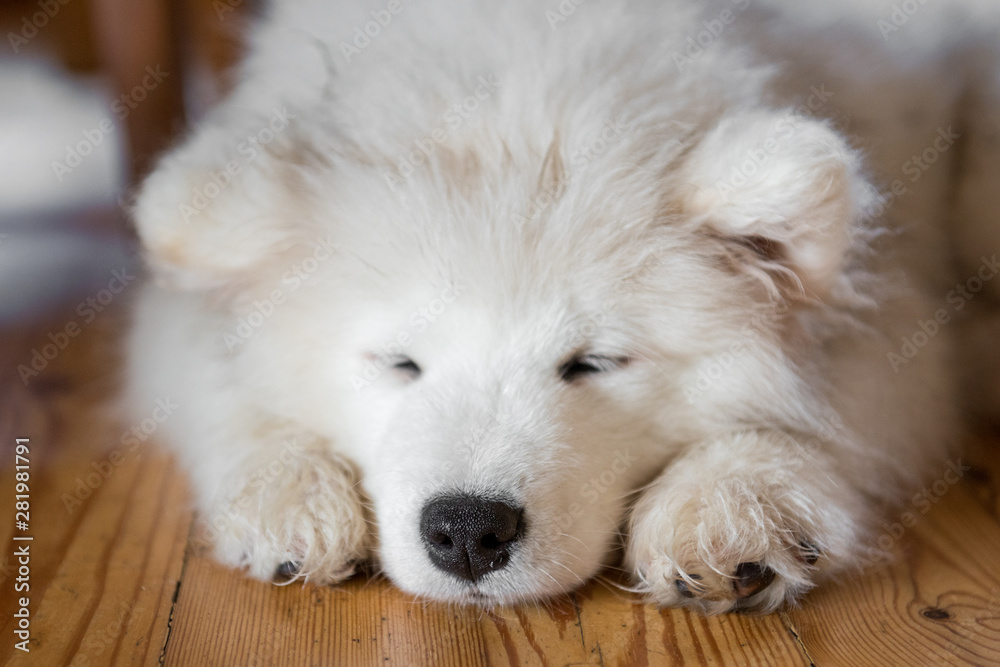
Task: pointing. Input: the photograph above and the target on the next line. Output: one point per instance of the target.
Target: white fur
(757, 416)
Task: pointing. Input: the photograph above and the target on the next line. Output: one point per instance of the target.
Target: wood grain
(109, 525)
(938, 603)
(366, 622)
(115, 579)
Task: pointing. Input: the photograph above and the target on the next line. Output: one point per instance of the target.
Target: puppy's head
(515, 337)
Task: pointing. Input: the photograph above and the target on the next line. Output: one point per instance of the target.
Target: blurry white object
(45, 117)
(61, 162)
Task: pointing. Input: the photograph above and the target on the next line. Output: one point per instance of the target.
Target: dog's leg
(742, 523)
(285, 507)
(267, 493)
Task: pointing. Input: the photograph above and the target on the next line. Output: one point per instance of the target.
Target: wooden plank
(627, 632)
(102, 577)
(362, 622)
(109, 524)
(370, 622)
(937, 603)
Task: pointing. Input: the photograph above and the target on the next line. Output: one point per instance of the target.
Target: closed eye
(407, 366)
(589, 364)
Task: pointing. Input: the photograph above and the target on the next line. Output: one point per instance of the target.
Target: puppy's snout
(469, 536)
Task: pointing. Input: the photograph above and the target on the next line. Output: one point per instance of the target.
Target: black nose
(470, 536)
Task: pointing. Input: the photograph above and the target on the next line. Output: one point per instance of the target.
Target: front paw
(292, 517)
(731, 537)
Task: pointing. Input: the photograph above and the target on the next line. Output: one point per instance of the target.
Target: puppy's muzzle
(469, 536)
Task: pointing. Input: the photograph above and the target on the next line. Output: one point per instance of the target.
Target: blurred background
(90, 92)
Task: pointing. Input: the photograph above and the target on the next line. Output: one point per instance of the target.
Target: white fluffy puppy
(482, 291)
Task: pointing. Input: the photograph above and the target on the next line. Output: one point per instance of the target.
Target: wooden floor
(113, 579)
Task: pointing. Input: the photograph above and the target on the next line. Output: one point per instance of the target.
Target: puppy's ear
(787, 189)
(213, 210)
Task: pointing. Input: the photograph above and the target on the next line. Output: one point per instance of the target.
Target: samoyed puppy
(491, 294)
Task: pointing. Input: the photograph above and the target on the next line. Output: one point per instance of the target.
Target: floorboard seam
(177, 592)
(170, 623)
(795, 635)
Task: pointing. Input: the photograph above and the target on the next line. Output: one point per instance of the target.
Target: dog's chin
(508, 587)
(485, 600)
(487, 594)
